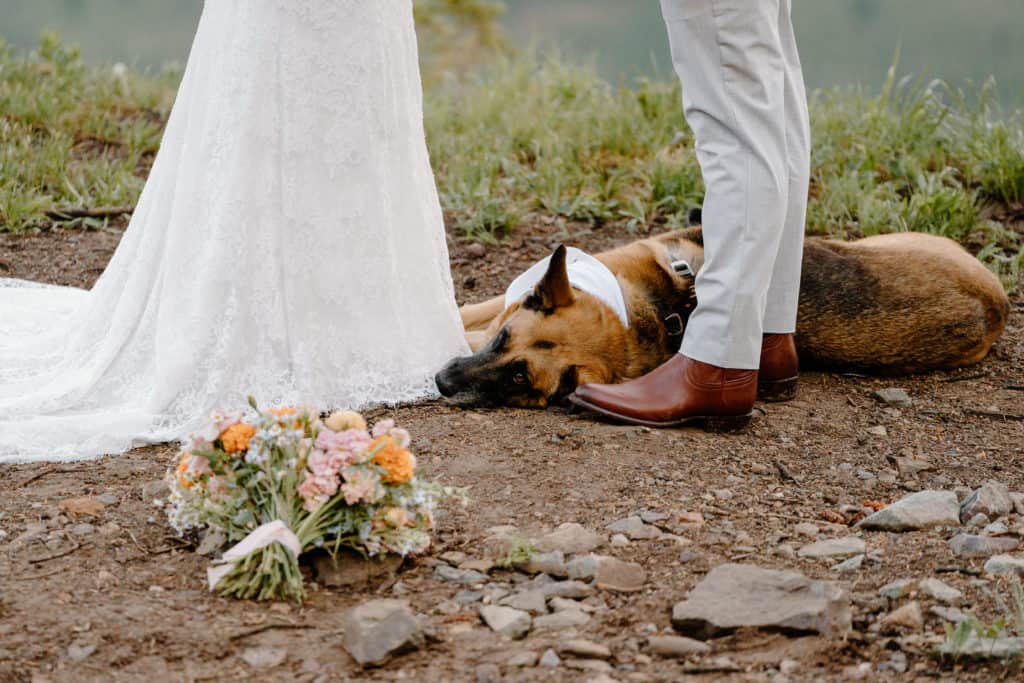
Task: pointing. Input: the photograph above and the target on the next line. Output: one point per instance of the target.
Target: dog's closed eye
(541, 344)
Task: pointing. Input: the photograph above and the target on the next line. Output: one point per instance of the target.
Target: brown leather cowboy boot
(682, 390)
(777, 378)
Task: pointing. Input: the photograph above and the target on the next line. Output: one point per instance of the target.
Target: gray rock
(909, 468)
(865, 475)
(897, 663)
(583, 567)
(970, 545)
(587, 649)
(653, 517)
(877, 430)
(80, 651)
(488, 673)
(992, 499)
(574, 590)
(263, 657)
(379, 629)
(83, 529)
(920, 510)
(897, 589)
(678, 647)
(550, 659)
(894, 396)
(560, 621)
(806, 529)
(734, 596)
(619, 541)
(523, 659)
(563, 604)
(850, 565)
(468, 597)
(464, 576)
(571, 539)
(214, 541)
(507, 621)
(949, 613)
(108, 499)
(995, 529)
(978, 521)
(1005, 564)
(454, 557)
(532, 601)
(551, 563)
(834, 547)
(635, 528)
(1018, 502)
(619, 576)
(938, 590)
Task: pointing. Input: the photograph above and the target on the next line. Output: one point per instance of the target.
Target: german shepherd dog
(889, 304)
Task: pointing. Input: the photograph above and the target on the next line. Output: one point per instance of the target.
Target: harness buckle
(678, 328)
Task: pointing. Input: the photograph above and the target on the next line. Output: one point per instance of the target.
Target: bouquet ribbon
(260, 537)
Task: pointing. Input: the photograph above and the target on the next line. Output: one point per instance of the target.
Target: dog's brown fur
(900, 303)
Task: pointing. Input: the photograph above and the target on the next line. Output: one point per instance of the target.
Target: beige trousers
(744, 98)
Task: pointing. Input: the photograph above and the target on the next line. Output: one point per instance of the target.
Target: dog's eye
(519, 378)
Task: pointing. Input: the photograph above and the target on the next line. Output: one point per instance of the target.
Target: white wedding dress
(288, 245)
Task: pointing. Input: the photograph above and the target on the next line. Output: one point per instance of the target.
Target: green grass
(527, 136)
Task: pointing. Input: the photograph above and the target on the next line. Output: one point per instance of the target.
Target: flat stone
(995, 529)
(619, 576)
(979, 521)
(465, 577)
(522, 659)
(551, 563)
(991, 499)
(563, 604)
(619, 541)
(550, 659)
(79, 651)
(678, 647)
(910, 468)
(454, 557)
(877, 430)
(468, 597)
(583, 567)
(906, 617)
(1005, 564)
(560, 621)
(949, 613)
(894, 396)
(155, 490)
(897, 589)
(920, 510)
(574, 590)
(570, 539)
(584, 648)
(806, 529)
(850, 565)
(1018, 502)
(482, 566)
(532, 601)
(83, 529)
(507, 621)
(833, 547)
(653, 517)
(970, 545)
(939, 590)
(488, 673)
(735, 596)
(379, 629)
(635, 528)
(263, 657)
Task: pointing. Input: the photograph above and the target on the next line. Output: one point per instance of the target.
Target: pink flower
(319, 463)
(315, 491)
(401, 437)
(383, 427)
(360, 486)
(352, 440)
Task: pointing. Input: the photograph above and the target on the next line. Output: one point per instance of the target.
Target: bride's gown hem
(288, 245)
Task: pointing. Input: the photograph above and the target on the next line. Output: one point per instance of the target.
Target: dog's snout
(444, 385)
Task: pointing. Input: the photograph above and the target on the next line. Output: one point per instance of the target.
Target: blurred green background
(842, 41)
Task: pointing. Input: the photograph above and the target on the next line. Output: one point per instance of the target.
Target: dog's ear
(694, 216)
(554, 289)
(695, 234)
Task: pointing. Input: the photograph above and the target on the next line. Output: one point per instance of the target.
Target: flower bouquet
(282, 482)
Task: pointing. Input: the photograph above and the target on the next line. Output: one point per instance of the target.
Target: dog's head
(541, 348)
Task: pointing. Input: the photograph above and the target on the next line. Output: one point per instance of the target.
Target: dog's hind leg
(479, 316)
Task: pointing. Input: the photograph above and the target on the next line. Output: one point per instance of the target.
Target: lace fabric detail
(289, 244)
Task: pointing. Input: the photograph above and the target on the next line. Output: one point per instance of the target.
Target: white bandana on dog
(586, 274)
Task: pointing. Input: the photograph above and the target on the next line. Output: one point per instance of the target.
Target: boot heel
(727, 423)
(777, 390)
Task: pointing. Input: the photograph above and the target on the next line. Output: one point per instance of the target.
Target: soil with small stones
(127, 600)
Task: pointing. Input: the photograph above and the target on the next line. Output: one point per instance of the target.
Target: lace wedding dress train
(288, 244)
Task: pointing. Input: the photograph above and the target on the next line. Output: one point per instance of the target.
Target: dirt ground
(127, 601)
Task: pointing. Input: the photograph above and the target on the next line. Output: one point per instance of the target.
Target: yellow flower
(398, 463)
(235, 438)
(341, 420)
(397, 517)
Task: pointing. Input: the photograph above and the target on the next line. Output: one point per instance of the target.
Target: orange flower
(398, 463)
(283, 412)
(183, 471)
(236, 437)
